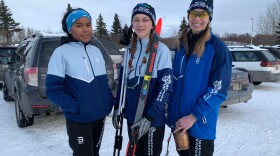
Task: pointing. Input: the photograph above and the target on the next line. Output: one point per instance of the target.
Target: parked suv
(5, 51)
(261, 65)
(26, 74)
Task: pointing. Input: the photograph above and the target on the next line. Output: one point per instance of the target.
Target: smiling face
(82, 30)
(198, 20)
(142, 25)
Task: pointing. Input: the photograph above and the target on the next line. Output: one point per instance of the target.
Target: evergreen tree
(69, 7)
(7, 24)
(101, 30)
(116, 27)
(278, 34)
(125, 27)
(183, 24)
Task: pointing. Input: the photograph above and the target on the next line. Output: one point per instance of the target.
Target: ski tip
(158, 26)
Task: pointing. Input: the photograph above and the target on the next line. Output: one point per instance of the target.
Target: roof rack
(44, 34)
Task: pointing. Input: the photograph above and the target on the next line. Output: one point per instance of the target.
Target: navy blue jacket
(77, 82)
(160, 86)
(200, 86)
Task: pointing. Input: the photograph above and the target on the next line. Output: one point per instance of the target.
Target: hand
(115, 119)
(143, 127)
(126, 35)
(185, 123)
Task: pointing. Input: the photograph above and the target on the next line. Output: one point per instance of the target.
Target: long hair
(134, 46)
(199, 45)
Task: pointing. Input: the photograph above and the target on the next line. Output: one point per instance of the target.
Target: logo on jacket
(166, 83)
(197, 60)
(217, 86)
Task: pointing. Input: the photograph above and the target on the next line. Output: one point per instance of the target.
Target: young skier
(152, 124)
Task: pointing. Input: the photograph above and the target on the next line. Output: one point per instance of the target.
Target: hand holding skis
(143, 126)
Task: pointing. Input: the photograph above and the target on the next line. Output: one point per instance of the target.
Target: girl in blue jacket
(202, 74)
(77, 82)
(152, 124)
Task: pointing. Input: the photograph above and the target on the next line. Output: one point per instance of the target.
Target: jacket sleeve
(55, 84)
(165, 81)
(219, 81)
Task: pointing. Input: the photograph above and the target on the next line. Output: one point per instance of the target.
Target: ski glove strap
(143, 126)
(115, 119)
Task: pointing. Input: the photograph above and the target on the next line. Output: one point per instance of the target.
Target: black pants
(199, 147)
(151, 143)
(85, 138)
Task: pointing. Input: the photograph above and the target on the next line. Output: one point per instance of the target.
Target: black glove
(115, 119)
(143, 127)
(126, 35)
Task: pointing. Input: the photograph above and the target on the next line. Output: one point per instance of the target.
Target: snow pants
(198, 147)
(150, 144)
(85, 138)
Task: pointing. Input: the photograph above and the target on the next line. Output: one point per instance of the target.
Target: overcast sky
(233, 16)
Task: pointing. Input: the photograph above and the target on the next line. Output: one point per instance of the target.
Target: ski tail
(132, 144)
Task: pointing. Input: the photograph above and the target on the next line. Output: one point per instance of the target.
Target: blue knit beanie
(206, 5)
(146, 9)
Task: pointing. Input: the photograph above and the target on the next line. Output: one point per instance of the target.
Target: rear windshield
(46, 51)
(110, 47)
(7, 51)
(269, 56)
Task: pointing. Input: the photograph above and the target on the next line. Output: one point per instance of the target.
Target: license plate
(236, 86)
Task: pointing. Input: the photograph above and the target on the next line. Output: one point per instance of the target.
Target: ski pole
(118, 135)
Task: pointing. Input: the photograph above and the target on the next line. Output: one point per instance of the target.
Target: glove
(143, 126)
(115, 119)
(126, 35)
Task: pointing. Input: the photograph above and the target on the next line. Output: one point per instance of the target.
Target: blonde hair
(134, 46)
(199, 45)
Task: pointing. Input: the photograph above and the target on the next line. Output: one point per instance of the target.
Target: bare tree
(266, 23)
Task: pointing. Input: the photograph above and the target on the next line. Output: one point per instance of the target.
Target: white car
(261, 65)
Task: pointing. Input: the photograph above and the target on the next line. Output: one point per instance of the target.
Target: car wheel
(257, 83)
(20, 117)
(5, 94)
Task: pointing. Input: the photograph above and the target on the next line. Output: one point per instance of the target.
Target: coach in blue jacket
(202, 74)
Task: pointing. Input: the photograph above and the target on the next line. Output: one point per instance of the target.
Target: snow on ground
(246, 129)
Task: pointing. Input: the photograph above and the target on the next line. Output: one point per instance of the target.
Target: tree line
(267, 32)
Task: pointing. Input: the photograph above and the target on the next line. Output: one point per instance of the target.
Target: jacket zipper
(86, 64)
(138, 59)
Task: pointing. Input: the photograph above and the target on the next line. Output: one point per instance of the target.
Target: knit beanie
(146, 9)
(206, 5)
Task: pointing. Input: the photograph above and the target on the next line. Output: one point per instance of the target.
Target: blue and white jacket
(200, 86)
(160, 85)
(77, 82)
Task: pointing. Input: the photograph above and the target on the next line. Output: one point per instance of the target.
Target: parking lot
(244, 129)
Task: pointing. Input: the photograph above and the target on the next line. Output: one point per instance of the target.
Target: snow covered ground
(246, 129)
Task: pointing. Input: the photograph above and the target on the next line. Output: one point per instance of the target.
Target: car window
(46, 51)
(110, 47)
(245, 56)
(269, 56)
(7, 51)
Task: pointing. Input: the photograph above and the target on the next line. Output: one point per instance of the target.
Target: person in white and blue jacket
(77, 82)
(152, 124)
(202, 74)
